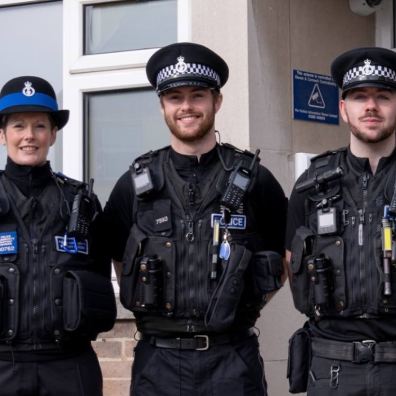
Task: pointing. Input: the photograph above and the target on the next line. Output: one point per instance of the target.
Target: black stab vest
(355, 279)
(167, 226)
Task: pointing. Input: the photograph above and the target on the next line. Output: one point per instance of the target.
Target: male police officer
(202, 227)
(55, 290)
(341, 233)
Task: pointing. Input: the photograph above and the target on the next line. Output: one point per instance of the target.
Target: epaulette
(4, 203)
(152, 160)
(148, 157)
(236, 149)
(320, 164)
(326, 158)
(66, 179)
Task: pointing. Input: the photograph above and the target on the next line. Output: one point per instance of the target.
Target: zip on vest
(362, 220)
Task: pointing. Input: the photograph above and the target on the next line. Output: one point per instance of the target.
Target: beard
(196, 134)
(382, 134)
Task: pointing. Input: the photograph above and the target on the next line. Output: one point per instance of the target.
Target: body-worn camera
(142, 180)
(149, 283)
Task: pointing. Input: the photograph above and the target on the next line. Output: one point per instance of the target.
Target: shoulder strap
(323, 165)
(231, 157)
(4, 201)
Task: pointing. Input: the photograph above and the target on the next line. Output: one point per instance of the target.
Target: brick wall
(115, 353)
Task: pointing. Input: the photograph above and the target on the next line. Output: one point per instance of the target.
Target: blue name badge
(238, 222)
(8, 242)
(72, 245)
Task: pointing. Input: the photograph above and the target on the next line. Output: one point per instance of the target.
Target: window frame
(385, 25)
(15, 3)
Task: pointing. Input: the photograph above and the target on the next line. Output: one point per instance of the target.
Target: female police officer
(55, 292)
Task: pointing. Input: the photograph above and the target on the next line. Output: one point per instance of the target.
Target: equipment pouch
(299, 360)
(130, 271)
(3, 304)
(148, 290)
(9, 301)
(300, 282)
(267, 271)
(89, 303)
(225, 298)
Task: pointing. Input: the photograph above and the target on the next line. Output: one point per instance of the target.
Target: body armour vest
(337, 258)
(169, 254)
(37, 261)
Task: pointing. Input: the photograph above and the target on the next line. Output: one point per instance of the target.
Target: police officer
(199, 228)
(341, 234)
(55, 290)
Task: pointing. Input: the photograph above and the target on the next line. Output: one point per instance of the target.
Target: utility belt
(74, 345)
(303, 345)
(356, 352)
(198, 342)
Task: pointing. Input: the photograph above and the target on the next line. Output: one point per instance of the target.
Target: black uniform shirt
(347, 329)
(269, 201)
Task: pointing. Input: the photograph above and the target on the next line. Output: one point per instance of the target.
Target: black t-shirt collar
(29, 179)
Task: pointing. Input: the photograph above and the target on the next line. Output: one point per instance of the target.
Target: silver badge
(180, 66)
(28, 90)
(368, 69)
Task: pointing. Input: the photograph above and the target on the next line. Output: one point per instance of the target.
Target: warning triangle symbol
(316, 98)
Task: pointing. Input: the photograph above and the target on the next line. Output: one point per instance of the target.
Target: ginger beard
(192, 117)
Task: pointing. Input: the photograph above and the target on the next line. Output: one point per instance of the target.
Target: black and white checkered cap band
(193, 69)
(360, 74)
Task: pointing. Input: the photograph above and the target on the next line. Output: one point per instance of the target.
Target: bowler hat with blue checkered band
(365, 67)
(186, 64)
(27, 94)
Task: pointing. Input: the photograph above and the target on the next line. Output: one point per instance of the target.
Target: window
(121, 125)
(129, 25)
(31, 48)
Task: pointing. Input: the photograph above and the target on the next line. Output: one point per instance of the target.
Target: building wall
(282, 36)
(262, 41)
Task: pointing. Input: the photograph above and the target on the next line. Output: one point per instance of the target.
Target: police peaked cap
(186, 64)
(31, 94)
(365, 67)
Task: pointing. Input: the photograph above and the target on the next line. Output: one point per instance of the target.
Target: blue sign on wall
(315, 97)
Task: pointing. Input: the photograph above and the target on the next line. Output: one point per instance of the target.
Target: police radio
(238, 184)
(82, 213)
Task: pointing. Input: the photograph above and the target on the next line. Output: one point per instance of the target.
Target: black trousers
(79, 375)
(234, 369)
(329, 377)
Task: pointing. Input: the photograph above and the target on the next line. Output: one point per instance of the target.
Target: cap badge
(180, 66)
(368, 69)
(28, 90)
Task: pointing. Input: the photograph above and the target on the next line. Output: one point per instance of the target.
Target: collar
(361, 164)
(182, 161)
(29, 179)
